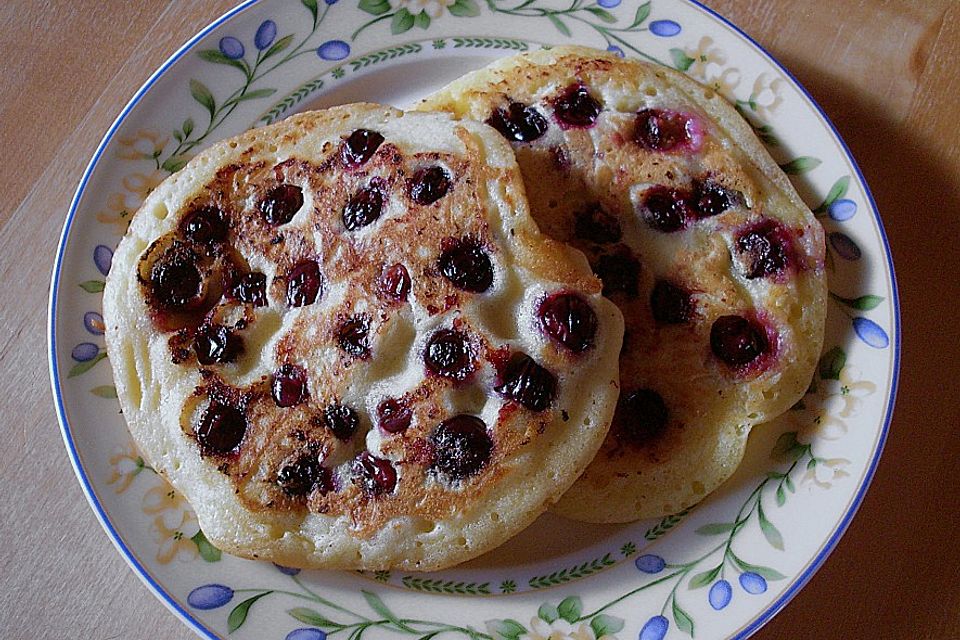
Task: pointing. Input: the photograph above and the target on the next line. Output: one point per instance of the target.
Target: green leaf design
(490, 43)
(628, 549)
(177, 136)
(402, 21)
(93, 286)
(714, 528)
(765, 133)
(381, 608)
(559, 24)
(643, 12)
(703, 579)
(547, 612)
(570, 609)
(789, 484)
(313, 618)
(837, 191)
(665, 525)
(239, 614)
(831, 363)
(506, 629)
(445, 586)
(781, 496)
(766, 572)
(465, 9)
(770, 532)
(187, 127)
(508, 586)
(175, 163)
(202, 95)
(105, 391)
(422, 20)
(385, 54)
(279, 46)
(374, 7)
(787, 446)
(571, 573)
(803, 164)
(684, 621)
(290, 100)
(83, 367)
(863, 303)
(253, 95)
(212, 55)
(680, 59)
(603, 14)
(207, 551)
(312, 5)
(604, 625)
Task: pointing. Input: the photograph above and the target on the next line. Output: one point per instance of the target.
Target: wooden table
(884, 70)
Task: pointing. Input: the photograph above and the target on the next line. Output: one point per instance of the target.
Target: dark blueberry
(597, 225)
(710, 198)
(302, 476)
(393, 416)
(518, 122)
(641, 416)
(466, 265)
(568, 319)
(205, 225)
(660, 130)
(288, 386)
(575, 107)
(670, 304)
(737, 341)
(375, 476)
(528, 383)
(215, 344)
(394, 283)
(429, 184)
(221, 429)
(281, 203)
(360, 146)
(304, 284)
(175, 280)
(448, 355)
(353, 336)
(341, 420)
(251, 288)
(665, 209)
(461, 446)
(763, 250)
(364, 207)
(619, 271)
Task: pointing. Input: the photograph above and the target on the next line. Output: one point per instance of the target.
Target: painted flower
(139, 185)
(172, 541)
(842, 399)
(124, 467)
(765, 97)
(143, 145)
(707, 59)
(433, 8)
(121, 205)
(825, 472)
(560, 629)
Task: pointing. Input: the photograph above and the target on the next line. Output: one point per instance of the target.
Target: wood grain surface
(885, 71)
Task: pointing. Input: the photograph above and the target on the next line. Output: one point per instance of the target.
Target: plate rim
(758, 621)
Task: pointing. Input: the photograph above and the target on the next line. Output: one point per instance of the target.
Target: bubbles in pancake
(221, 429)
(448, 354)
(466, 265)
(670, 304)
(737, 341)
(360, 146)
(518, 122)
(569, 320)
(341, 420)
(576, 107)
(304, 284)
(528, 383)
(353, 336)
(461, 445)
(375, 476)
(429, 184)
(288, 385)
(216, 344)
(281, 203)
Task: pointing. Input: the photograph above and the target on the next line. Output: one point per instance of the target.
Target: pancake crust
(687, 219)
(293, 316)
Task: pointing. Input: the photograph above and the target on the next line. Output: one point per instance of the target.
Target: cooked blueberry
(466, 265)
(288, 385)
(216, 344)
(303, 475)
(304, 284)
(665, 209)
(205, 225)
(568, 319)
(393, 416)
(353, 336)
(461, 446)
(528, 383)
(710, 198)
(518, 122)
(594, 224)
(221, 429)
(670, 304)
(360, 146)
(575, 107)
(429, 184)
(737, 341)
(250, 288)
(619, 271)
(763, 250)
(375, 476)
(394, 283)
(364, 207)
(448, 355)
(281, 203)
(660, 130)
(641, 416)
(175, 280)
(342, 421)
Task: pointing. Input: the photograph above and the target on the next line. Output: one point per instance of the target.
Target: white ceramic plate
(719, 570)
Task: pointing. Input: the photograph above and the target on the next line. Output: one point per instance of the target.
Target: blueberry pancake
(343, 338)
(698, 237)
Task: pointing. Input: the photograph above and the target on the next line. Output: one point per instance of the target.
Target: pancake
(344, 340)
(699, 238)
